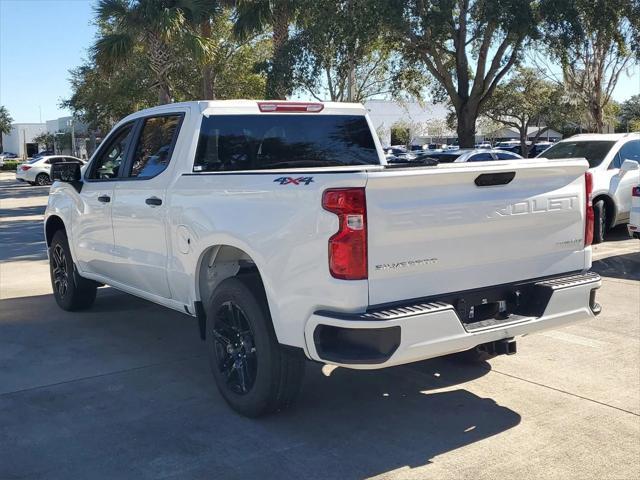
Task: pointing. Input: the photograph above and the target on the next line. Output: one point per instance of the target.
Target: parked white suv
(614, 163)
(634, 219)
(280, 226)
(37, 171)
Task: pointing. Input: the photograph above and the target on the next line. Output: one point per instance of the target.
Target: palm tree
(257, 15)
(150, 26)
(5, 123)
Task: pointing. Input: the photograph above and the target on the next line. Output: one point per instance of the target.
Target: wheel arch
(51, 226)
(219, 262)
(610, 207)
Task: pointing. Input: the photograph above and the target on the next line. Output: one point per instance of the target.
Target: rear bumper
(418, 330)
(634, 231)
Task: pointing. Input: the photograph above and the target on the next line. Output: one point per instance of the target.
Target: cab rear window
(262, 142)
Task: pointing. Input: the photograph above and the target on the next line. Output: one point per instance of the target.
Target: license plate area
(483, 308)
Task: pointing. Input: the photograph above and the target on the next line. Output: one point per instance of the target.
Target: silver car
(473, 155)
(37, 171)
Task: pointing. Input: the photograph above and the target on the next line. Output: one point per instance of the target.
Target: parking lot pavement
(123, 391)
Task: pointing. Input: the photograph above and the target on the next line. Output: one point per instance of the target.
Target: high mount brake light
(589, 216)
(292, 107)
(348, 247)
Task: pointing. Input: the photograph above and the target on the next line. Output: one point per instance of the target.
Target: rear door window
(480, 157)
(506, 156)
(155, 146)
(262, 142)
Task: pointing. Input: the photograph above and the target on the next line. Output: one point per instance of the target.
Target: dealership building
(20, 140)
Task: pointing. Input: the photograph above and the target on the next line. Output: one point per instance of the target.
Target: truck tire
(254, 373)
(71, 291)
(599, 221)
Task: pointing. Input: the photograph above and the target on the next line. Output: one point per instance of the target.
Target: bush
(10, 165)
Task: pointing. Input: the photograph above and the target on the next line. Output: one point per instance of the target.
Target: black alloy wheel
(60, 272)
(235, 349)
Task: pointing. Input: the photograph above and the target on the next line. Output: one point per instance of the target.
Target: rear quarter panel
(282, 227)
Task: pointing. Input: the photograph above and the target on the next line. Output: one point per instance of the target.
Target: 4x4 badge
(294, 181)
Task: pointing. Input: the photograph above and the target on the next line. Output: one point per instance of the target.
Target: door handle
(104, 198)
(153, 201)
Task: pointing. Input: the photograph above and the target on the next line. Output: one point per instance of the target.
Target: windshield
(253, 142)
(594, 150)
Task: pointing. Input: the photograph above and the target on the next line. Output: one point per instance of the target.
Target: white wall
(20, 134)
(385, 113)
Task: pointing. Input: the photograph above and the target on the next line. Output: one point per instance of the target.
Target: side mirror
(68, 172)
(629, 166)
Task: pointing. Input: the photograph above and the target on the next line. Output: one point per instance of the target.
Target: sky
(41, 40)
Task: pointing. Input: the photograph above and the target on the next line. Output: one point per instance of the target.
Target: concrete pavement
(123, 391)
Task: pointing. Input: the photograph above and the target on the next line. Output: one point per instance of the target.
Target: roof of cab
(247, 107)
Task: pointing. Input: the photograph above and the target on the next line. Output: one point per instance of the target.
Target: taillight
(348, 247)
(299, 107)
(24, 168)
(635, 192)
(589, 219)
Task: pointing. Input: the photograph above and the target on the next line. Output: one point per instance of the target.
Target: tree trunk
(466, 127)
(164, 93)
(207, 83)
(278, 76)
(160, 63)
(524, 150)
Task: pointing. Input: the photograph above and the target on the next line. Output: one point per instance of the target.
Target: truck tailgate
(434, 230)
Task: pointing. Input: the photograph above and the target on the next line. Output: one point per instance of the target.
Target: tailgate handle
(489, 179)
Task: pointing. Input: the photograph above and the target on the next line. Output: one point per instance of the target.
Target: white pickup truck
(280, 226)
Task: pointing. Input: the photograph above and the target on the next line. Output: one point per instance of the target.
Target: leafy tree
(341, 52)
(152, 27)
(630, 114)
(277, 16)
(595, 41)
(526, 100)
(5, 123)
(47, 139)
(228, 70)
(400, 134)
(101, 96)
(468, 46)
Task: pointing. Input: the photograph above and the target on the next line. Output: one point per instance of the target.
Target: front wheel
(253, 372)
(42, 179)
(71, 291)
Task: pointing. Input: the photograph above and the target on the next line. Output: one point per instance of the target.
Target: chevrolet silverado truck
(281, 228)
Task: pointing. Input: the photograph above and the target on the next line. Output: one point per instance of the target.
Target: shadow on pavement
(11, 188)
(617, 234)
(625, 266)
(123, 391)
(22, 239)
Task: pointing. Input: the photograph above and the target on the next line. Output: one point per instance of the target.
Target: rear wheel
(253, 372)
(599, 221)
(71, 291)
(42, 179)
